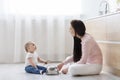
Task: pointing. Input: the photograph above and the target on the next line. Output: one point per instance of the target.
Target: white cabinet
(106, 30)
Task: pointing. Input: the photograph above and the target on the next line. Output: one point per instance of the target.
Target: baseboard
(112, 70)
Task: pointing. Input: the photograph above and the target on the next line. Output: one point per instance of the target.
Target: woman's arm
(68, 59)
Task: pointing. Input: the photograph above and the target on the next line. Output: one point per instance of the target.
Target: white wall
(90, 8)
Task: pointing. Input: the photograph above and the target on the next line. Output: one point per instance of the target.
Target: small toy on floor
(52, 70)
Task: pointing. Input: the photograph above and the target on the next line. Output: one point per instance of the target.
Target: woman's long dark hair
(79, 29)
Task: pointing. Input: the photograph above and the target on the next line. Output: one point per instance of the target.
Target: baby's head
(30, 47)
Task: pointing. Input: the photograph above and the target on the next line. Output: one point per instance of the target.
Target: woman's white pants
(84, 69)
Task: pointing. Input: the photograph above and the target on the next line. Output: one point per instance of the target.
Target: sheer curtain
(50, 33)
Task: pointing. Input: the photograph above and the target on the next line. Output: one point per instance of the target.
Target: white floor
(16, 72)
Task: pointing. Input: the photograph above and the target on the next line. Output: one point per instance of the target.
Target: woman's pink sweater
(91, 53)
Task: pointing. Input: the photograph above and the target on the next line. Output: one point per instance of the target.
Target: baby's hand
(45, 62)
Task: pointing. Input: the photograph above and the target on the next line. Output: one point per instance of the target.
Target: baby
(32, 59)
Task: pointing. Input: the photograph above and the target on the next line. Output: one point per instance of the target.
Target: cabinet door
(97, 28)
(113, 27)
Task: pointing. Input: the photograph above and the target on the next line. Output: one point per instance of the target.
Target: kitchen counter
(108, 14)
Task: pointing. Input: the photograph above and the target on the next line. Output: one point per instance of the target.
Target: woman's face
(72, 31)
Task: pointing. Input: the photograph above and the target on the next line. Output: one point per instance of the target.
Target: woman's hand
(64, 71)
(59, 66)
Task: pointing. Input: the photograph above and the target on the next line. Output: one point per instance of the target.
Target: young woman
(86, 57)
